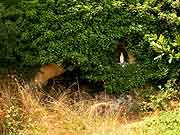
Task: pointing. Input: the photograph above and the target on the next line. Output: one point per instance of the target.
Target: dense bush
(85, 33)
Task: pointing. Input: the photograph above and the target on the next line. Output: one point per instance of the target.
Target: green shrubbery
(168, 123)
(86, 33)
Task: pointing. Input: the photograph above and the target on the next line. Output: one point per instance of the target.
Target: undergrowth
(167, 123)
(22, 113)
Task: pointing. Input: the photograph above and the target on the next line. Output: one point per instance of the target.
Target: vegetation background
(86, 32)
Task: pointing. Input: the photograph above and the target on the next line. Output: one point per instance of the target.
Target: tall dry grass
(22, 112)
(26, 111)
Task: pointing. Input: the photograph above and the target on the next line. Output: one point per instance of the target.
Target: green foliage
(17, 123)
(165, 47)
(164, 99)
(9, 2)
(13, 123)
(167, 124)
(86, 33)
(8, 16)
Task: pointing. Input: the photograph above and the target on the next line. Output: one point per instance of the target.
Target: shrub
(85, 33)
(167, 124)
(166, 99)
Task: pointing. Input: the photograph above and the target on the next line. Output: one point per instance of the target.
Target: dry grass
(22, 113)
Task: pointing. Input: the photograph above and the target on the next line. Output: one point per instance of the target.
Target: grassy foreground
(22, 113)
